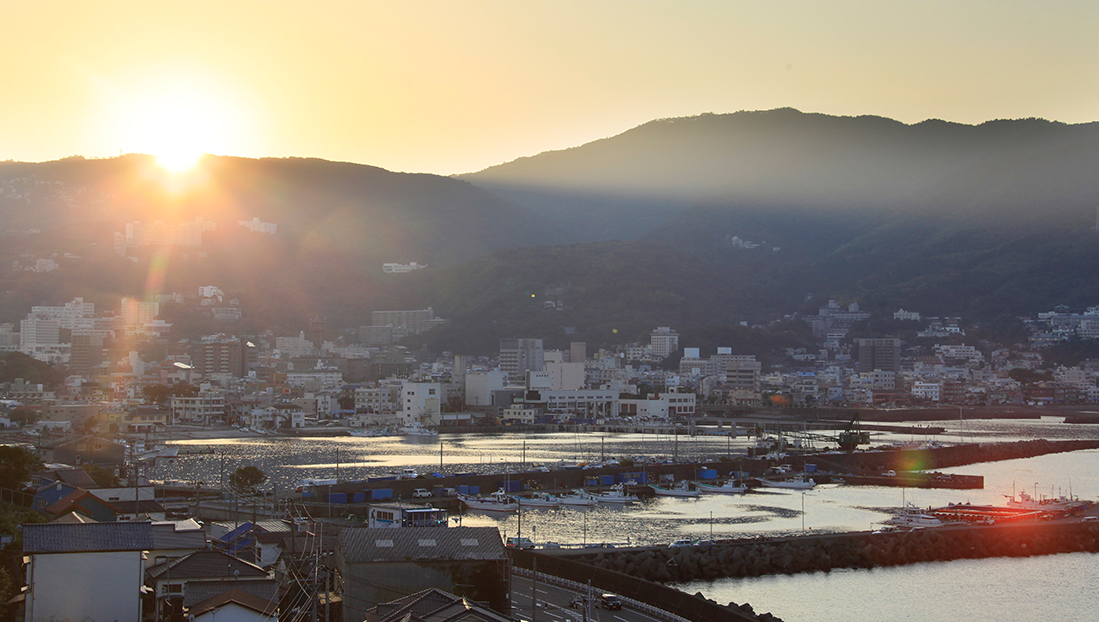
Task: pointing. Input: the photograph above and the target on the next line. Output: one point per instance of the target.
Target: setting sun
(176, 138)
(177, 123)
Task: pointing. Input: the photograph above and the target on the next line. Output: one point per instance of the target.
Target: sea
(1060, 586)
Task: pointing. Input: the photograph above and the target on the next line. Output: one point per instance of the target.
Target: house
(433, 605)
(175, 539)
(472, 559)
(83, 450)
(182, 582)
(84, 503)
(235, 605)
(85, 571)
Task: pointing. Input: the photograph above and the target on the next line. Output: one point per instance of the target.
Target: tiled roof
(77, 478)
(408, 543)
(166, 537)
(240, 597)
(433, 605)
(142, 506)
(89, 537)
(71, 518)
(207, 565)
(73, 499)
(199, 591)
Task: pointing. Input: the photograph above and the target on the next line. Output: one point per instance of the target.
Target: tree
(245, 479)
(16, 466)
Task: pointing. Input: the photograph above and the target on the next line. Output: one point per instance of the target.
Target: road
(553, 605)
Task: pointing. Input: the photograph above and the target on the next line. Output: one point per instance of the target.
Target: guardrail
(582, 588)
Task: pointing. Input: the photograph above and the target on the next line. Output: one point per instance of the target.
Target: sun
(176, 137)
(178, 123)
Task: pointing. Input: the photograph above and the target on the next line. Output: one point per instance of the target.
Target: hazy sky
(451, 87)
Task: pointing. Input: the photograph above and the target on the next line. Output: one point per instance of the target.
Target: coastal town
(94, 436)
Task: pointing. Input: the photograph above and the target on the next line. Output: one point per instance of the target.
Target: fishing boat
(405, 473)
(498, 501)
(912, 517)
(577, 498)
(679, 489)
(418, 429)
(368, 432)
(539, 500)
(1057, 505)
(798, 482)
(617, 494)
(730, 487)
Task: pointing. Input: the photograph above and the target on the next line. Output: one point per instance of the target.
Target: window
(81, 446)
(99, 446)
(175, 588)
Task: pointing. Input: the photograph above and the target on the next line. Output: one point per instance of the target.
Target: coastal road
(553, 605)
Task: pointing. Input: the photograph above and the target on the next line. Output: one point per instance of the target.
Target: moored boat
(680, 489)
(539, 500)
(912, 517)
(798, 482)
(730, 487)
(577, 498)
(498, 501)
(617, 494)
(418, 429)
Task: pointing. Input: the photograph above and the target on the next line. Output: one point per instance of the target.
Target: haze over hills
(337, 223)
(621, 187)
(699, 222)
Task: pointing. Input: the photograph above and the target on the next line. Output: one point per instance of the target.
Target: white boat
(418, 429)
(367, 432)
(617, 494)
(405, 473)
(798, 482)
(730, 487)
(498, 501)
(577, 498)
(1047, 504)
(680, 489)
(539, 500)
(913, 517)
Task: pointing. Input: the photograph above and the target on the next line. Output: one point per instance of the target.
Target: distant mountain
(625, 186)
(337, 223)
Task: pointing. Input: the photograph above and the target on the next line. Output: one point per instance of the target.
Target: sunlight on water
(1051, 587)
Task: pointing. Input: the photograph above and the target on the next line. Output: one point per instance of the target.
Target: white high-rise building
(137, 313)
(518, 356)
(664, 341)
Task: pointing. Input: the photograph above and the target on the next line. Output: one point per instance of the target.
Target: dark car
(610, 601)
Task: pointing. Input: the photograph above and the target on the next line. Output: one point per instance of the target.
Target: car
(421, 493)
(577, 603)
(705, 543)
(1090, 519)
(609, 601)
(680, 542)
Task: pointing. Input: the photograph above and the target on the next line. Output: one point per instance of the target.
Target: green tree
(16, 466)
(245, 479)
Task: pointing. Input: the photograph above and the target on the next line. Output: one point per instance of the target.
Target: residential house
(83, 450)
(85, 571)
(433, 605)
(235, 605)
(193, 578)
(472, 559)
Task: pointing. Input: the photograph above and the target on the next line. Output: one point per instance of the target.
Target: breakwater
(827, 552)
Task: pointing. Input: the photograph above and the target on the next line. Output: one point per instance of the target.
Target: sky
(454, 87)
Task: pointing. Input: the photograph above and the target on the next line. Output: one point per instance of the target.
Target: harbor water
(1016, 589)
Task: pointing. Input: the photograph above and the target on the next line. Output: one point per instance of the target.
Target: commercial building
(518, 356)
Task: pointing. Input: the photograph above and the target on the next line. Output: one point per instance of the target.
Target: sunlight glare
(178, 124)
(176, 137)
